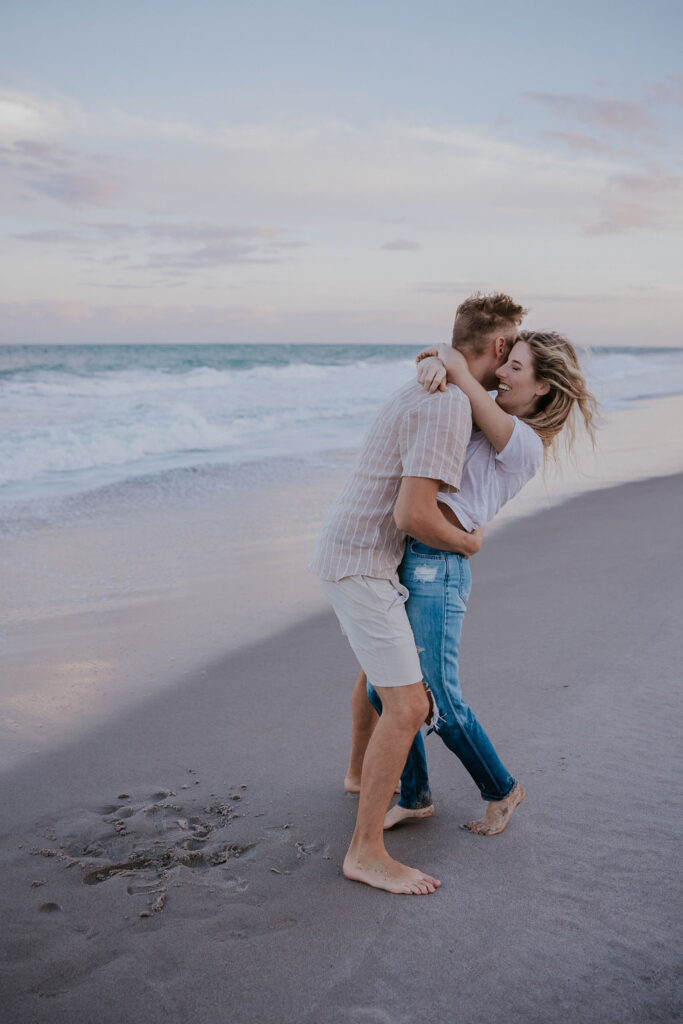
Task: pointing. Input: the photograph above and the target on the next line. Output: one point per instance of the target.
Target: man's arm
(417, 513)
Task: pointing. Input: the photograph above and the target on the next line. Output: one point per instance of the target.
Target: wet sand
(181, 862)
(131, 594)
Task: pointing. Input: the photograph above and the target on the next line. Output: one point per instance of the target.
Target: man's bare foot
(352, 784)
(498, 813)
(396, 814)
(383, 872)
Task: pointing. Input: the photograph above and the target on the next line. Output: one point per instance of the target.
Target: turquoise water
(76, 418)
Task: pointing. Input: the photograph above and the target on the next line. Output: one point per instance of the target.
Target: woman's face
(518, 389)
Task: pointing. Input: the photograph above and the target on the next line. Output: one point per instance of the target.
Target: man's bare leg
(364, 718)
(404, 708)
(498, 813)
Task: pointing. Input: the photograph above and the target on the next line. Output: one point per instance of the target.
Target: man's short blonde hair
(479, 315)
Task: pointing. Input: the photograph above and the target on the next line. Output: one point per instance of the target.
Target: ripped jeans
(439, 583)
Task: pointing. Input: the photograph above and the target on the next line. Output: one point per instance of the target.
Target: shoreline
(106, 610)
(234, 777)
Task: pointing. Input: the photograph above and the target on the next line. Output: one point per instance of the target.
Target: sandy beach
(124, 598)
(171, 849)
(229, 234)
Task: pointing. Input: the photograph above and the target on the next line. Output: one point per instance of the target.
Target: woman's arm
(431, 373)
(496, 424)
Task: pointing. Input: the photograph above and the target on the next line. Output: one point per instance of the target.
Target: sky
(336, 171)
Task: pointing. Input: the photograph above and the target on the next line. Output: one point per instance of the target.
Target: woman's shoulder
(524, 447)
(527, 435)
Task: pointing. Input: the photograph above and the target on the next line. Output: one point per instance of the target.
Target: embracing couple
(392, 557)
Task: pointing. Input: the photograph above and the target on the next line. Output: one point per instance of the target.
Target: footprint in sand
(49, 908)
(150, 840)
(252, 930)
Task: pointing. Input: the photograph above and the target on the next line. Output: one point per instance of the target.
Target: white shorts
(373, 618)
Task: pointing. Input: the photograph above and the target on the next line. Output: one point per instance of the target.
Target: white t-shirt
(491, 478)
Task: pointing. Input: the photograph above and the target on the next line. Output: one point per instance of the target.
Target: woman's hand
(426, 352)
(437, 367)
(431, 374)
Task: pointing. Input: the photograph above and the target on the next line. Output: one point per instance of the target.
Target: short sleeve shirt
(414, 434)
(491, 478)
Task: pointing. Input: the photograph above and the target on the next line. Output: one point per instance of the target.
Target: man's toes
(431, 881)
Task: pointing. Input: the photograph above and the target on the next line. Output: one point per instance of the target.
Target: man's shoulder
(413, 396)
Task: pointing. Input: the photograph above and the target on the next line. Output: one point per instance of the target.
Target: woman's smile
(518, 388)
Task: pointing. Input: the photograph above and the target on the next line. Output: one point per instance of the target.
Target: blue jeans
(439, 583)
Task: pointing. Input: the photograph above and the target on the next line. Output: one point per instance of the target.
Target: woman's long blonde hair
(555, 361)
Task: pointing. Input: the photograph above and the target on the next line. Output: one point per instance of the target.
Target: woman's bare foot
(498, 813)
(383, 872)
(352, 784)
(396, 814)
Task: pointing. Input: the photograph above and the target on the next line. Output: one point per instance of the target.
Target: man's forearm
(431, 527)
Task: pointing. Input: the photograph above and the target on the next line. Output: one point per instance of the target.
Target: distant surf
(77, 418)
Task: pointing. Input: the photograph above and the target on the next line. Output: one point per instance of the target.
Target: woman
(541, 392)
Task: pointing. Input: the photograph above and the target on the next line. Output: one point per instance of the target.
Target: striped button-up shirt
(414, 434)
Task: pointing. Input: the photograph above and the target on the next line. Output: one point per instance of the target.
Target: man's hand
(478, 537)
(431, 374)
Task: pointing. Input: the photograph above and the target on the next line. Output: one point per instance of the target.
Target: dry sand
(181, 862)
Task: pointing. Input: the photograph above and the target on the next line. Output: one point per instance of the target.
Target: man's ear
(500, 348)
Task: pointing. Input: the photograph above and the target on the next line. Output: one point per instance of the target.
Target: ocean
(150, 422)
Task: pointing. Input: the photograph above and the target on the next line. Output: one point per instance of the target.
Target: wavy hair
(479, 314)
(555, 362)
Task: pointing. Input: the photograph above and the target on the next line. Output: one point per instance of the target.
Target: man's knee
(407, 705)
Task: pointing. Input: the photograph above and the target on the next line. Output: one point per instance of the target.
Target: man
(415, 447)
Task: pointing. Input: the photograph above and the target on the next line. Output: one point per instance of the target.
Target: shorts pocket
(388, 594)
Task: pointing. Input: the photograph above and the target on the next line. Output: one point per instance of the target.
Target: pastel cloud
(668, 90)
(649, 200)
(74, 189)
(197, 245)
(238, 213)
(62, 174)
(450, 287)
(175, 323)
(401, 245)
(579, 142)
(626, 116)
(379, 168)
(575, 311)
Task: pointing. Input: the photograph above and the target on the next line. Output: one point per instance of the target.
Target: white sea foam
(94, 417)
